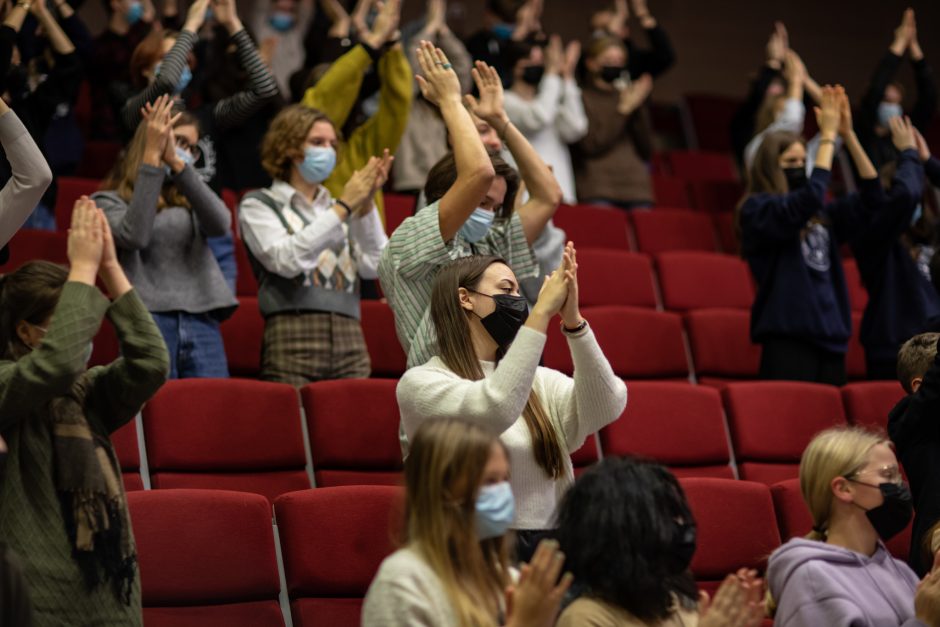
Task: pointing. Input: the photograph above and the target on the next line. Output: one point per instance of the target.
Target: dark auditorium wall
(720, 43)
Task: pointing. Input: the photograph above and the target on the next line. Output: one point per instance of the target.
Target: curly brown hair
(285, 139)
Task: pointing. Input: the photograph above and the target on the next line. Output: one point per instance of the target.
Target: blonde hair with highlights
(837, 452)
(443, 474)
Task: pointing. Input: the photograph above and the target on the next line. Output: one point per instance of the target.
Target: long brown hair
(455, 348)
(443, 474)
(31, 293)
(765, 174)
(124, 174)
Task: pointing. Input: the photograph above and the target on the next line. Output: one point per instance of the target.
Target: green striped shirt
(412, 258)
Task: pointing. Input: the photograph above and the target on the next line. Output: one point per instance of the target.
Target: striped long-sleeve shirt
(231, 111)
(412, 258)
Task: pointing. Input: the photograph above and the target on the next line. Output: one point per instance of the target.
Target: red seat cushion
(337, 612)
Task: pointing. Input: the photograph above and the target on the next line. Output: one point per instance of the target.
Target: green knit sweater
(31, 520)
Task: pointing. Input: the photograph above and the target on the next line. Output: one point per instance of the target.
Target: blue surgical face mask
(134, 12)
(318, 163)
(477, 225)
(495, 510)
(185, 77)
(281, 21)
(918, 212)
(503, 31)
(185, 156)
(888, 110)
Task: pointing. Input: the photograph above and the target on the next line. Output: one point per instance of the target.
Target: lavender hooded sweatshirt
(816, 584)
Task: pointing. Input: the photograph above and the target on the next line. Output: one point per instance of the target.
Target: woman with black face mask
(611, 160)
(487, 372)
(628, 537)
(544, 103)
(841, 573)
(790, 238)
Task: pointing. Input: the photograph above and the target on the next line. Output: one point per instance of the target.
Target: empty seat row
(249, 435)
(333, 540)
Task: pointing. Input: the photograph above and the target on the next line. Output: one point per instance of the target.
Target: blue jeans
(195, 344)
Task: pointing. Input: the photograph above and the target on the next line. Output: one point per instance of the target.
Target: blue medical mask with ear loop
(281, 21)
(185, 77)
(134, 12)
(477, 225)
(918, 212)
(318, 163)
(503, 31)
(495, 510)
(185, 156)
(888, 110)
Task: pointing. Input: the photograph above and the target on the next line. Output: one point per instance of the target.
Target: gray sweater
(31, 176)
(164, 253)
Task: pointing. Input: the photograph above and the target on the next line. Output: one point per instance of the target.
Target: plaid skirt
(300, 348)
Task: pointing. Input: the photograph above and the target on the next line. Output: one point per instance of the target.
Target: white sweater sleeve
(572, 121)
(495, 403)
(593, 399)
(531, 116)
(369, 235)
(31, 176)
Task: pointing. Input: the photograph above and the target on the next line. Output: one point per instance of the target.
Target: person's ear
(915, 383)
(24, 332)
(842, 489)
(463, 294)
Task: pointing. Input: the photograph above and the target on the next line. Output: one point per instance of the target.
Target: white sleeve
(531, 116)
(572, 121)
(277, 250)
(369, 235)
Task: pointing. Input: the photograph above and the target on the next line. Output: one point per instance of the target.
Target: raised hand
(736, 604)
(845, 113)
(436, 21)
(923, 150)
(226, 13)
(635, 94)
(375, 173)
(572, 56)
(535, 600)
(196, 16)
(159, 118)
(438, 81)
(385, 25)
(793, 68)
(777, 45)
(828, 113)
(85, 241)
(927, 597)
(904, 33)
(642, 13)
(554, 56)
(570, 312)
(914, 46)
(902, 133)
(489, 107)
(554, 292)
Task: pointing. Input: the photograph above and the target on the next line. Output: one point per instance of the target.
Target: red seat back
(727, 232)
(679, 425)
(721, 343)
(584, 457)
(670, 191)
(725, 544)
(589, 226)
(245, 282)
(30, 244)
(702, 165)
(711, 117)
(397, 208)
(333, 541)
(855, 365)
(385, 352)
(70, 189)
(232, 434)
(206, 557)
(98, 159)
(613, 277)
(715, 196)
(772, 422)
(639, 343)
(353, 427)
(858, 295)
(243, 335)
(673, 229)
(695, 280)
(124, 441)
(869, 403)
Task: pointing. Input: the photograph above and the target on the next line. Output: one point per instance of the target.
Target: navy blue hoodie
(790, 242)
(902, 301)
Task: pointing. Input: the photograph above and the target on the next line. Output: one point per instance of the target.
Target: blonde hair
(838, 452)
(124, 174)
(443, 474)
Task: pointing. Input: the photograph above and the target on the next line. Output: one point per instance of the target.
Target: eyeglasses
(890, 474)
(193, 149)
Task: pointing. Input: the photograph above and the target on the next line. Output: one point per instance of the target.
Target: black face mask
(891, 517)
(796, 178)
(510, 314)
(683, 547)
(610, 73)
(533, 74)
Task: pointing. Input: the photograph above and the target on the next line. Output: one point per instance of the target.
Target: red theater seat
(727, 233)
(868, 403)
(721, 345)
(124, 441)
(772, 422)
(696, 280)
(613, 277)
(385, 352)
(711, 117)
(679, 425)
(333, 541)
(702, 165)
(639, 343)
(592, 226)
(69, 189)
(243, 334)
(245, 282)
(398, 207)
(673, 229)
(670, 191)
(858, 295)
(725, 541)
(584, 457)
(855, 365)
(230, 434)
(353, 427)
(206, 557)
(715, 196)
(30, 244)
